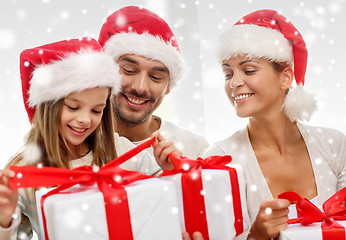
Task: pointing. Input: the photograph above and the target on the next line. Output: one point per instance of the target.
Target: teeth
(78, 129)
(135, 101)
(242, 96)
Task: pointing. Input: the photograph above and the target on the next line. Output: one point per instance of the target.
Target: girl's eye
(97, 112)
(72, 108)
(228, 76)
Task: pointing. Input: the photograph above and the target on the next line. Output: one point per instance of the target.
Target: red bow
(194, 205)
(109, 178)
(334, 209)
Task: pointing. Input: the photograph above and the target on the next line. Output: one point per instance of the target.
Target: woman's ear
(287, 78)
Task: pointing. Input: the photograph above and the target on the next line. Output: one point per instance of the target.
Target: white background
(199, 103)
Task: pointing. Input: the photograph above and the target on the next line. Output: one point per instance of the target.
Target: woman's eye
(249, 72)
(228, 76)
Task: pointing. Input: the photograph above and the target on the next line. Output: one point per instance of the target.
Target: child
(66, 89)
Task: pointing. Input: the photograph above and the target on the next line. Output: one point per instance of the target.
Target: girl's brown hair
(45, 134)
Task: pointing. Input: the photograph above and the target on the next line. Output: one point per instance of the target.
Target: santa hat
(134, 30)
(269, 35)
(53, 71)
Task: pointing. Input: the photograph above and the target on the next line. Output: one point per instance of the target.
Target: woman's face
(253, 86)
(81, 114)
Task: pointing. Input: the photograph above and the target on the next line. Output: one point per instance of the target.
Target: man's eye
(128, 71)
(155, 78)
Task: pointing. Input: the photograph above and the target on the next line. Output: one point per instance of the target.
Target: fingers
(195, 236)
(5, 175)
(271, 218)
(186, 236)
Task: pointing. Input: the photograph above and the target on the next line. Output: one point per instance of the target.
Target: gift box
(312, 231)
(102, 203)
(211, 196)
(312, 223)
(79, 212)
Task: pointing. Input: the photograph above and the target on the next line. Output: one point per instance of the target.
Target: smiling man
(150, 63)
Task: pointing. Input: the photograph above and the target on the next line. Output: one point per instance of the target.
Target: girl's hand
(162, 149)
(195, 236)
(8, 199)
(271, 219)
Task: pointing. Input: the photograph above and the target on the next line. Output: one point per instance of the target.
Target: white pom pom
(299, 104)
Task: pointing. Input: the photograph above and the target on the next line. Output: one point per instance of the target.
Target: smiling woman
(278, 152)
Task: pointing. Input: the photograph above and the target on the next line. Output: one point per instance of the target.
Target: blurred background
(199, 102)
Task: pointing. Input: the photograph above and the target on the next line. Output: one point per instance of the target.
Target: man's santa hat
(134, 30)
(53, 71)
(267, 34)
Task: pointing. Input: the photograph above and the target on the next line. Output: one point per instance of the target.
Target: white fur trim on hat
(73, 73)
(299, 104)
(148, 46)
(254, 41)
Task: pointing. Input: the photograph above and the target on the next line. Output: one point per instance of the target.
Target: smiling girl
(66, 89)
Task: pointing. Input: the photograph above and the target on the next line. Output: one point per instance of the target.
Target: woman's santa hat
(134, 30)
(53, 71)
(269, 35)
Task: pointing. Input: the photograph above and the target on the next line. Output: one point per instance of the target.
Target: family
(90, 101)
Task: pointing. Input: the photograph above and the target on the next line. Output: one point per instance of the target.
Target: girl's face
(253, 86)
(81, 114)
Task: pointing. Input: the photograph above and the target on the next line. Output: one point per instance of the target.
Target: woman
(277, 151)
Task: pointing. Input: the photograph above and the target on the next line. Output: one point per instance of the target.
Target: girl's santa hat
(269, 35)
(134, 30)
(53, 71)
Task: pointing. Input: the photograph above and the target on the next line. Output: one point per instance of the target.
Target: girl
(66, 89)
(277, 151)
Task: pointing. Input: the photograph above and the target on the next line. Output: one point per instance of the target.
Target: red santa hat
(269, 35)
(135, 30)
(53, 71)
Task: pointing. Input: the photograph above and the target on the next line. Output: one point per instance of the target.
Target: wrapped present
(102, 203)
(210, 196)
(312, 223)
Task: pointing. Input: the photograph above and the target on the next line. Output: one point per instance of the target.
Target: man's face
(144, 84)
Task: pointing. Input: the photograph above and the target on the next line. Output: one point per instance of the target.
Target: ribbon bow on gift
(194, 206)
(334, 209)
(110, 180)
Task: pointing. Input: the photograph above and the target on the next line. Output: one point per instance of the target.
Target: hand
(195, 236)
(271, 219)
(162, 149)
(8, 199)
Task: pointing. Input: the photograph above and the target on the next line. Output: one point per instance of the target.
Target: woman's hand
(162, 149)
(271, 219)
(8, 199)
(195, 236)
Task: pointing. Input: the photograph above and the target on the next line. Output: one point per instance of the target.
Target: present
(312, 223)
(102, 203)
(211, 196)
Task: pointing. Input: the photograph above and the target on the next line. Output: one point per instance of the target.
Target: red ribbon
(110, 180)
(194, 205)
(334, 209)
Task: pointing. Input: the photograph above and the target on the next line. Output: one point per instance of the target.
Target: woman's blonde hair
(45, 135)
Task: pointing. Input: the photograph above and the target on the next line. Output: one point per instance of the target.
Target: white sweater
(327, 151)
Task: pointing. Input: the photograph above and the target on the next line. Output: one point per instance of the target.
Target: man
(150, 64)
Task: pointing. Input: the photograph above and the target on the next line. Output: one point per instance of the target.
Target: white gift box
(300, 232)
(81, 214)
(217, 191)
